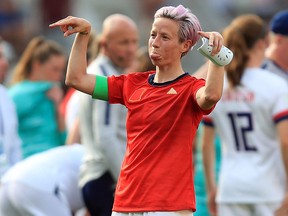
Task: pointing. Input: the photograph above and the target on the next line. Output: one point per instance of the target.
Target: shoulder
(141, 74)
(194, 80)
(273, 79)
(136, 76)
(191, 77)
(264, 77)
(265, 81)
(28, 86)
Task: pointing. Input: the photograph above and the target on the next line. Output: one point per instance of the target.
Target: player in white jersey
(43, 184)
(252, 121)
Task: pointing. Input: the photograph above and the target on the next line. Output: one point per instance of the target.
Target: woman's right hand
(212, 206)
(56, 94)
(71, 25)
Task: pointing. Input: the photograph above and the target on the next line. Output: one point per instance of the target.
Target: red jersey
(157, 170)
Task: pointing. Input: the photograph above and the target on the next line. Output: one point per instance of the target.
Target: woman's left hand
(215, 40)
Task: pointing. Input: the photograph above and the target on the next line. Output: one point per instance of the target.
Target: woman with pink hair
(164, 109)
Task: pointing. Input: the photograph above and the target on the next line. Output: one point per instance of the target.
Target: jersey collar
(151, 78)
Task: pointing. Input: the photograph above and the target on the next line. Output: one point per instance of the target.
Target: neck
(165, 74)
(256, 57)
(33, 77)
(254, 63)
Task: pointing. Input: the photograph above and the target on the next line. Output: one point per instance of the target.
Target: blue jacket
(37, 115)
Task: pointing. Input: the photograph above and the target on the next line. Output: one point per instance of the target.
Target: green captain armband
(101, 88)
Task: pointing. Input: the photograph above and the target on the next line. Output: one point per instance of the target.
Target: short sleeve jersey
(273, 67)
(157, 171)
(245, 118)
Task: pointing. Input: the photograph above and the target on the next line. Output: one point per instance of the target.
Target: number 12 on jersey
(242, 124)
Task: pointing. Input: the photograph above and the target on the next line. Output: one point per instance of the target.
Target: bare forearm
(211, 93)
(214, 81)
(77, 63)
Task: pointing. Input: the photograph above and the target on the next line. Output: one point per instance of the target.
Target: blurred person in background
(199, 176)
(10, 143)
(36, 91)
(252, 121)
(276, 54)
(142, 61)
(4, 63)
(45, 184)
(12, 28)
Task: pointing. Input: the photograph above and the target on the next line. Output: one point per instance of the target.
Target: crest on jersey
(137, 95)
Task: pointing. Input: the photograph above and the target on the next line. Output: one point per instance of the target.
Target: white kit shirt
(252, 169)
(274, 68)
(10, 143)
(54, 169)
(102, 129)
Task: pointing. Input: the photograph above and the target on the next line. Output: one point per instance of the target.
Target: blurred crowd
(45, 123)
(20, 20)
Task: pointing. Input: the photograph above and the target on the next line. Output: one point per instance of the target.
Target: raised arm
(77, 76)
(211, 93)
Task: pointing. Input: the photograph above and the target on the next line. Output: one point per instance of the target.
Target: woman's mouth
(155, 56)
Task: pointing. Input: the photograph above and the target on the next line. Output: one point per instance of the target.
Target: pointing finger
(61, 22)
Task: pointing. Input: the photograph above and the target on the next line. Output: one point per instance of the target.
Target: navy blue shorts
(98, 195)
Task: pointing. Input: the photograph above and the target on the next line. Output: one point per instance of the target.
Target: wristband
(100, 88)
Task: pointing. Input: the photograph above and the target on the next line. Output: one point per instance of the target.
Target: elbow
(213, 98)
(72, 81)
(68, 82)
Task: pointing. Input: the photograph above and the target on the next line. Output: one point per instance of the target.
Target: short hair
(189, 24)
(279, 23)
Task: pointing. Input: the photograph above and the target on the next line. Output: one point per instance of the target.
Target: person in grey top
(102, 127)
(10, 142)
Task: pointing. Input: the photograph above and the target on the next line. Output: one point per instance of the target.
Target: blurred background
(20, 20)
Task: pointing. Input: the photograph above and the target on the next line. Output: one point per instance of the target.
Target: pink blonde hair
(189, 24)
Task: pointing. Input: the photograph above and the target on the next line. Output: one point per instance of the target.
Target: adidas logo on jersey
(172, 91)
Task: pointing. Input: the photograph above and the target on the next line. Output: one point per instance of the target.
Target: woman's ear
(186, 46)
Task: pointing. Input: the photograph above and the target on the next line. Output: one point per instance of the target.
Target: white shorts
(263, 209)
(176, 213)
